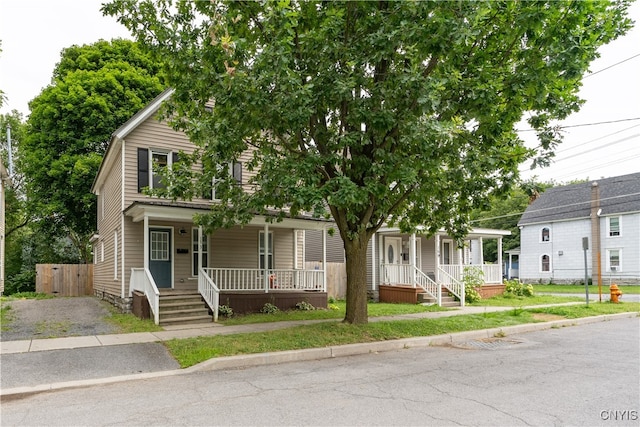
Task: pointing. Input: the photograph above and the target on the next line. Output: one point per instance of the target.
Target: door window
(159, 246)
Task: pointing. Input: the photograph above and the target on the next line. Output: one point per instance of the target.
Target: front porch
(433, 267)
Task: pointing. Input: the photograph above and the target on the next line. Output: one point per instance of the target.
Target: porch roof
(184, 212)
(473, 233)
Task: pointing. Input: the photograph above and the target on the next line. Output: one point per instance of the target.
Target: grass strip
(191, 351)
(516, 301)
(579, 289)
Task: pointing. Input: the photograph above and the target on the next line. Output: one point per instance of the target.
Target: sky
(34, 32)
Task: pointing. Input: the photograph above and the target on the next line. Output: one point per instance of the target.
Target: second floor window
(150, 161)
(159, 161)
(614, 226)
(545, 235)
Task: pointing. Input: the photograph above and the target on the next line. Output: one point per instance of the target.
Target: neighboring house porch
(414, 268)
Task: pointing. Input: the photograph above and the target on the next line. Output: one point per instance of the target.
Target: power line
(585, 124)
(611, 66)
(596, 139)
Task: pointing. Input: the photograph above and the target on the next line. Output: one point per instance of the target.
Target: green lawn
(513, 301)
(191, 351)
(578, 289)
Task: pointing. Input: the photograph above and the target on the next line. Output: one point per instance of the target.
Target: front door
(160, 256)
(393, 256)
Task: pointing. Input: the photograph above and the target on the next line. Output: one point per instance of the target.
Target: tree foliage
(95, 89)
(397, 112)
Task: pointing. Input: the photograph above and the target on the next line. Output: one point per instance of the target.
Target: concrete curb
(262, 359)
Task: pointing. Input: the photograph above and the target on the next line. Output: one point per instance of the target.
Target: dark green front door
(160, 256)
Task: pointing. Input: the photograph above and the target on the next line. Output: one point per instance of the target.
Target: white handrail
(428, 285)
(492, 273)
(209, 292)
(142, 280)
(454, 286)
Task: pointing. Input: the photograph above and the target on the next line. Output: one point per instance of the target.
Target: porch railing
(210, 292)
(450, 282)
(253, 279)
(401, 274)
(142, 281)
(492, 273)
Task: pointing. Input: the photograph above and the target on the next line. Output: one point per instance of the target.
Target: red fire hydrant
(615, 293)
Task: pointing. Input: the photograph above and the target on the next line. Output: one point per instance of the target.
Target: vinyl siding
(313, 247)
(237, 247)
(109, 202)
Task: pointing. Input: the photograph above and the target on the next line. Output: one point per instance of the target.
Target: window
(613, 260)
(545, 235)
(115, 255)
(233, 169)
(101, 251)
(149, 160)
(159, 246)
(545, 263)
(159, 161)
(613, 225)
(261, 250)
(195, 250)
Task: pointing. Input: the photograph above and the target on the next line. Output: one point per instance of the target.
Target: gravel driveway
(57, 317)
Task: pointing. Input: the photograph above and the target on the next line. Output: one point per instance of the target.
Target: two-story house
(151, 246)
(605, 211)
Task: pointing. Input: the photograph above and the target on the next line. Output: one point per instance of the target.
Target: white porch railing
(454, 285)
(491, 273)
(401, 274)
(210, 292)
(142, 281)
(253, 279)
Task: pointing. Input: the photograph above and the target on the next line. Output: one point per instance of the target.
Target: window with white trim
(195, 250)
(614, 257)
(101, 251)
(233, 169)
(545, 234)
(545, 263)
(158, 160)
(261, 250)
(613, 226)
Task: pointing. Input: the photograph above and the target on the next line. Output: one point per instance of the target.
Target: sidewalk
(208, 329)
(41, 365)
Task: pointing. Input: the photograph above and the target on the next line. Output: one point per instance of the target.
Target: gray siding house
(150, 247)
(606, 211)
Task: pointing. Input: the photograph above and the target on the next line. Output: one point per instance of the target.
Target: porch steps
(182, 307)
(448, 300)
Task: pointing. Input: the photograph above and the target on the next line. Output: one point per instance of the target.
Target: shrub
(333, 307)
(305, 306)
(515, 288)
(269, 308)
(225, 310)
(473, 279)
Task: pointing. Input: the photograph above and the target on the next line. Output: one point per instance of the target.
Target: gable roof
(618, 195)
(119, 134)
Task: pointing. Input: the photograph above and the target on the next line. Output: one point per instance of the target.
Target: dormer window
(545, 235)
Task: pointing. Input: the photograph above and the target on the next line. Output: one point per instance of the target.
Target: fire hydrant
(615, 293)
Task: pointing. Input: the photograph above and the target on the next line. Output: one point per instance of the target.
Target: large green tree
(95, 89)
(377, 112)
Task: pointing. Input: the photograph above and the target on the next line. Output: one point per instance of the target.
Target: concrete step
(178, 305)
(187, 320)
(190, 312)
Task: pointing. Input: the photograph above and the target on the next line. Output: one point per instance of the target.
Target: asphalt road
(579, 375)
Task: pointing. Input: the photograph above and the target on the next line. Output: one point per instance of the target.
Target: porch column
(201, 260)
(460, 258)
(500, 256)
(437, 263)
(373, 261)
(412, 258)
(324, 260)
(481, 251)
(509, 266)
(266, 257)
(145, 240)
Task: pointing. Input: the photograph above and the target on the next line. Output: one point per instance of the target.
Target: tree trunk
(356, 263)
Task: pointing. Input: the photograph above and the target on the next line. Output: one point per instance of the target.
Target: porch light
(182, 231)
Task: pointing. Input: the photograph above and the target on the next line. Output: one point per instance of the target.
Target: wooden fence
(336, 277)
(68, 280)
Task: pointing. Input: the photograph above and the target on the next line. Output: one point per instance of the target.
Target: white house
(606, 212)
